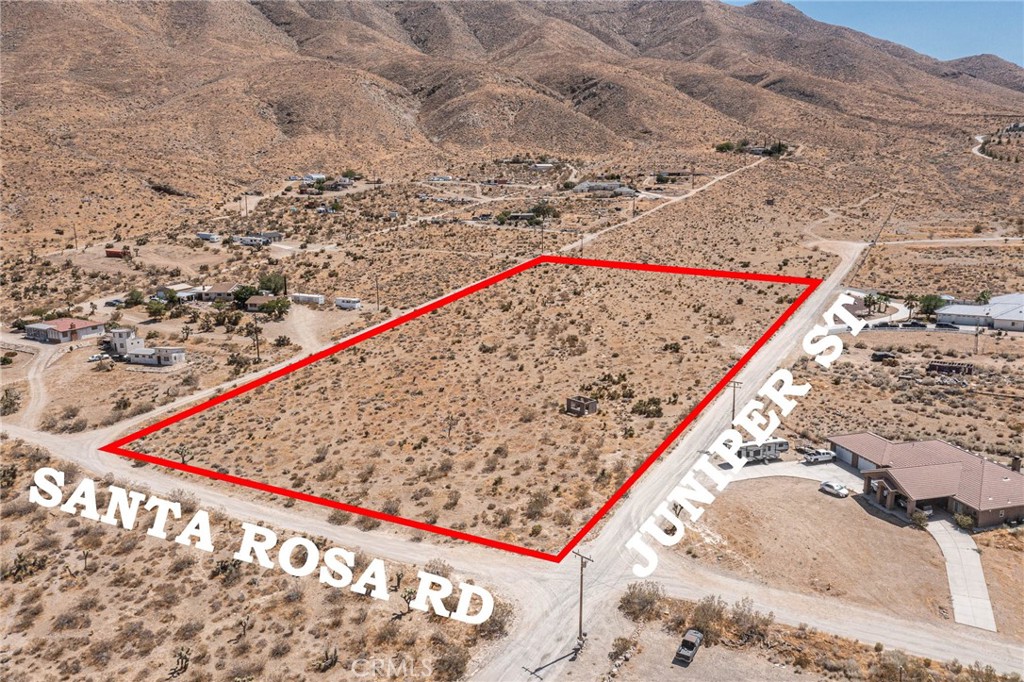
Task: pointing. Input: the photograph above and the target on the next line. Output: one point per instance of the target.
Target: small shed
(580, 406)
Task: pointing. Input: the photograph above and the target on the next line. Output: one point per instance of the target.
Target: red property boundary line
(117, 447)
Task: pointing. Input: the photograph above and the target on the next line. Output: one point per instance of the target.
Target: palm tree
(984, 297)
(870, 301)
(911, 303)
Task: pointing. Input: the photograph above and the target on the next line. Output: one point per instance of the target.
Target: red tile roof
(66, 324)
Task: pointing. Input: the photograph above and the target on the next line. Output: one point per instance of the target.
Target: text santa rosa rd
(334, 565)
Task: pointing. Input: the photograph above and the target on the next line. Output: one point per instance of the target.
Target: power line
(734, 385)
(582, 636)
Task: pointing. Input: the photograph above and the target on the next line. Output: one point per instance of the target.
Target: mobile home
(348, 303)
(315, 299)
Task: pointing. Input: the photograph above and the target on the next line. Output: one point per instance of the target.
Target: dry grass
(92, 601)
(457, 415)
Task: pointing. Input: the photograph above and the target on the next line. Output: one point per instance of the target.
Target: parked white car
(834, 488)
(98, 357)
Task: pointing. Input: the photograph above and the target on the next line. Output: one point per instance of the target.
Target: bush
(339, 517)
(640, 602)
(965, 521)
(649, 407)
(709, 617)
(919, 518)
(451, 664)
(619, 647)
(750, 624)
(496, 626)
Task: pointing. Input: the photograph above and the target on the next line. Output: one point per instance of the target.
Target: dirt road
(545, 594)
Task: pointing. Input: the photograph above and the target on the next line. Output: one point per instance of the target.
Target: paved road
(545, 594)
(971, 605)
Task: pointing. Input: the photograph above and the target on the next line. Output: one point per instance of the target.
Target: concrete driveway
(967, 587)
(825, 471)
(971, 605)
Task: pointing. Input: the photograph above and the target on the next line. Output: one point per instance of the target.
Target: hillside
(991, 68)
(212, 99)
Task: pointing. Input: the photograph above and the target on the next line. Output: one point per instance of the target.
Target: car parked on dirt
(834, 488)
(688, 647)
(98, 357)
(818, 456)
(946, 325)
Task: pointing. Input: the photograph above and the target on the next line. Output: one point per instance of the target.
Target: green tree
(724, 147)
(984, 297)
(274, 282)
(134, 298)
(243, 294)
(911, 302)
(930, 303)
(156, 309)
(276, 308)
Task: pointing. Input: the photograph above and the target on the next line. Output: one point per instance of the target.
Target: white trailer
(348, 303)
(208, 236)
(315, 299)
(765, 452)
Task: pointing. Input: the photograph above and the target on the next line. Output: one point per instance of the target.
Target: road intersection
(545, 593)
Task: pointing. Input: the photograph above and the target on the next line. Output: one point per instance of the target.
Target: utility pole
(734, 385)
(977, 339)
(376, 285)
(581, 637)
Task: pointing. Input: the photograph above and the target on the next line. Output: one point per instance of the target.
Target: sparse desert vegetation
(85, 600)
(457, 417)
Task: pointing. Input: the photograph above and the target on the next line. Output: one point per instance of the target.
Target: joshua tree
(253, 330)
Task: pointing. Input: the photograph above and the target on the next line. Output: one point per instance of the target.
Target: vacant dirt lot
(456, 418)
(784, 532)
(962, 271)
(1002, 557)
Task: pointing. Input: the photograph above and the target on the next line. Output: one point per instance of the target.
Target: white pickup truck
(817, 456)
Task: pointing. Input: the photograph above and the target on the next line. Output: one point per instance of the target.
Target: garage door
(843, 455)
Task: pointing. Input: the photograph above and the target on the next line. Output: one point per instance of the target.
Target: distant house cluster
(934, 473)
(63, 330)
(605, 188)
(1001, 312)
